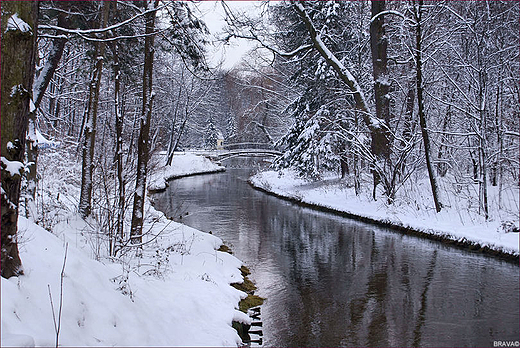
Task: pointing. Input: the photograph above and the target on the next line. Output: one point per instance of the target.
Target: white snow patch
(183, 164)
(13, 167)
(16, 23)
(44, 142)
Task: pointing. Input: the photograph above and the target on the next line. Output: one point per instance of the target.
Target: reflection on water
(330, 281)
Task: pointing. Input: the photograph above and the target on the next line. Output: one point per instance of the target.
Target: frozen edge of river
(270, 182)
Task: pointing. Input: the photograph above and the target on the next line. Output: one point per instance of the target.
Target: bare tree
(378, 44)
(88, 134)
(420, 102)
(143, 148)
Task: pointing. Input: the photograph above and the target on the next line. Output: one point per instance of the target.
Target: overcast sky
(213, 16)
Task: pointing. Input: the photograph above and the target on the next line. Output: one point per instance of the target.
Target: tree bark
(18, 54)
(378, 44)
(442, 166)
(143, 146)
(56, 51)
(171, 145)
(89, 129)
(421, 112)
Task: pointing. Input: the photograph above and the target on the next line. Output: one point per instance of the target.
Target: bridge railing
(248, 145)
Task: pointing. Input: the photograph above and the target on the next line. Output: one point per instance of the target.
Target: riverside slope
(177, 292)
(463, 228)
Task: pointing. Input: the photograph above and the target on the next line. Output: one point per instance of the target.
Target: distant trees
(18, 28)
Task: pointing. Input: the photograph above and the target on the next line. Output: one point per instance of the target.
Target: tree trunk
(18, 52)
(483, 194)
(378, 127)
(39, 87)
(118, 158)
(420, 102)
(442, 166)
(143, 147)
(89, 128)
(171, 145)
(344, 167)
(378, 44)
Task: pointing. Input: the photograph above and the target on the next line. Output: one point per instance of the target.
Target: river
(330, 281)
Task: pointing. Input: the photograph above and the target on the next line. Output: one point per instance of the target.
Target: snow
(183, 164)
(44, 142)
(16, 23)
(13, 167)
(175, 291)
(457, 223)
(191, 305)
(32, 107)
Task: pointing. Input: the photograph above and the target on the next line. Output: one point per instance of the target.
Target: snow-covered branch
(344, 74)
(99, 30)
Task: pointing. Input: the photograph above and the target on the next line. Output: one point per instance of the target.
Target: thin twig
(57, 323)
(61, 292)
(52, 308)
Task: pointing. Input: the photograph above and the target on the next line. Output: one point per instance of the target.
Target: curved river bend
(330, 281)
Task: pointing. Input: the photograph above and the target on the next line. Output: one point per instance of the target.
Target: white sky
(213, 16)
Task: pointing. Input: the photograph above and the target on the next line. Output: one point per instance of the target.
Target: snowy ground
(183, 164)
(175, 292)
(459, 220)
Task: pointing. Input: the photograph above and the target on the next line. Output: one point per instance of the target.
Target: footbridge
(250, 149)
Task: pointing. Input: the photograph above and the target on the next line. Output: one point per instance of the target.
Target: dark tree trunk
(143, 145)
(344, 167)
(171, 145)
(409, 119)
(89, 129)
(380, 136)
(18, 54)
(55, 53)
(420, 102)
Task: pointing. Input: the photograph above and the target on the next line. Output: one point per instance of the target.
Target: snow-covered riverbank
(452, 224)
(183, 164)
(175, 292)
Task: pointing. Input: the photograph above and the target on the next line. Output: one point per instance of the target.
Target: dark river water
(331, 281)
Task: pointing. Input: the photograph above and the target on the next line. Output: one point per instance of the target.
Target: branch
(253, 37)
(100, 30)
(397, 13)
(344, 74)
